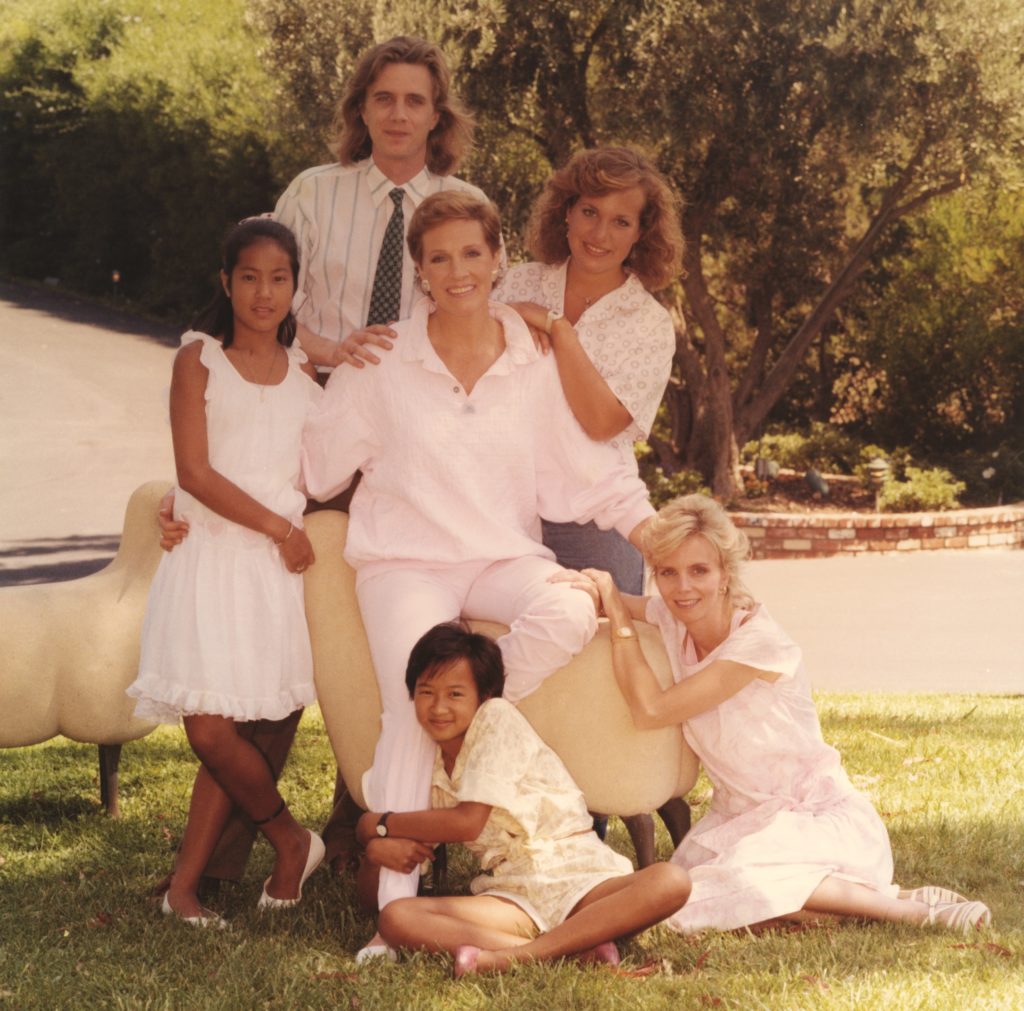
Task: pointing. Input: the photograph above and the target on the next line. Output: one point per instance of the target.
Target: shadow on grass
(49, 809)
(65, 776)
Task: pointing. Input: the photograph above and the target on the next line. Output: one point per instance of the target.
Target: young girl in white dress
(787, 834)
(225, 641)
(506, 795)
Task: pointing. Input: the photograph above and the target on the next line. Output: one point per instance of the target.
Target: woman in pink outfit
(464, 439)
(786, 834)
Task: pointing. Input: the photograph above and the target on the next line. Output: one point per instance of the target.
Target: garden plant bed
(790, 493)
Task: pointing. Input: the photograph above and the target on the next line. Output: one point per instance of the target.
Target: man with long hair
(401, 133)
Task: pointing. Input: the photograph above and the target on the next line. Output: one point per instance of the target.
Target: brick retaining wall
(815, 535)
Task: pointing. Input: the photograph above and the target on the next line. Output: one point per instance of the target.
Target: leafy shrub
(922, 491)
(665, 487)
(134, 134)
(825, 448)
(991, 477)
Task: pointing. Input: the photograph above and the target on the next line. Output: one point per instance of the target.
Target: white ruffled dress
(784, 815)
(225, 629)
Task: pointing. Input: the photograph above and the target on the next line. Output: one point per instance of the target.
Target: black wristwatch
(382, 825)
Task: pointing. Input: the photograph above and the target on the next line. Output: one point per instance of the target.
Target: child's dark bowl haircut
(445, 644)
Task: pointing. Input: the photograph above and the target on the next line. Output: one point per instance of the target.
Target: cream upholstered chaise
(579, 711)
(71, 649)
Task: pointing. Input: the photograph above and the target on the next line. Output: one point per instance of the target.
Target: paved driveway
(83, 395)
(937, 621)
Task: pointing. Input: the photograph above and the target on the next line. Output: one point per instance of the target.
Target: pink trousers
(549, 624)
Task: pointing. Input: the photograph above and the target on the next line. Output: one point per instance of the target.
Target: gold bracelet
(291, 529)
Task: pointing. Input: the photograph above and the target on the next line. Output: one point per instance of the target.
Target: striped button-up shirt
(338, 214)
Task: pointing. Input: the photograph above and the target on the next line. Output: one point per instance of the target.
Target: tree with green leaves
(803, 137)
(132, 135)
(939, 328)
(799, 135)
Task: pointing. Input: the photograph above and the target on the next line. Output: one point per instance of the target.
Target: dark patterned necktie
(386, 300)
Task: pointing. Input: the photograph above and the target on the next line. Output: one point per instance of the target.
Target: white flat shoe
(314, 858)
(207, 918)
(372, 951)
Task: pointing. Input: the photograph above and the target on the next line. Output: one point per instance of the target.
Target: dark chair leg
(439, 872)
(339, 832)
(437, 883)
(110, 759)
(675, 813)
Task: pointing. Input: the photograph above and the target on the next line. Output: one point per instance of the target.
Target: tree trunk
(713, 428)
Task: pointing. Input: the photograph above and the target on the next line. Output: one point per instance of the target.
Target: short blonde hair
(448, 143)
(699, 514)
(657, 256)
(452, 205)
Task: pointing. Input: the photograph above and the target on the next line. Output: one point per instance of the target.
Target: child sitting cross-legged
(551, 888)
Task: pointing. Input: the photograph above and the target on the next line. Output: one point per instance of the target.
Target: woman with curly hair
(605, 235)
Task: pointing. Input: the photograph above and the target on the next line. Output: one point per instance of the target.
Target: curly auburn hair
(449, 142)
(699, 514)
(656, 258)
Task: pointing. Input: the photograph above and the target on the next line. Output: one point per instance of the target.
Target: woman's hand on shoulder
(536, 318)
(295, 550)
(356, 348)
(172, 531)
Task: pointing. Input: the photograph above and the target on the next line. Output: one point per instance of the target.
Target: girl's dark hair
(445, 644)
(218, 319)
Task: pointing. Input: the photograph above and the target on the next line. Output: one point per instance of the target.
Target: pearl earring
(425, 285)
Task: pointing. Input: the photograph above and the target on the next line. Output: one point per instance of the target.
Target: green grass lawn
(77, 929)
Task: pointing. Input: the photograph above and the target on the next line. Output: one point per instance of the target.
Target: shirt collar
(380, 185)
(520, 348)
(628, 296)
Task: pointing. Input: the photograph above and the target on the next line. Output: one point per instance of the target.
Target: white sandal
(959, 916)
(932, 894)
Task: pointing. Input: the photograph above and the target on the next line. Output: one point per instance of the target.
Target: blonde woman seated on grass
(551, 888)
(786, 835)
